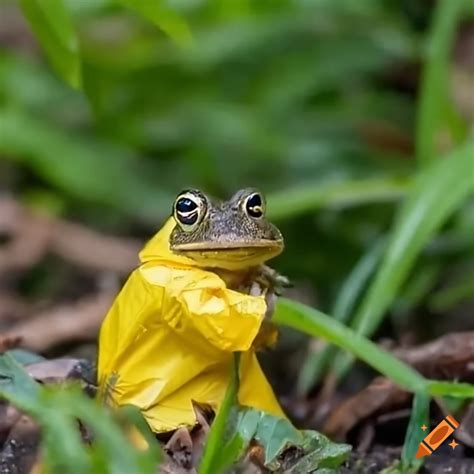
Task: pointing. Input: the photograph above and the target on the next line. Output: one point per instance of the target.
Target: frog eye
(188, 210)
(254, 205)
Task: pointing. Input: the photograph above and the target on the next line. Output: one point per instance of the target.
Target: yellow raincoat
(169, 336)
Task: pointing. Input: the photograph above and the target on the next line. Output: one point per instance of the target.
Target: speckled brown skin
(226, 236)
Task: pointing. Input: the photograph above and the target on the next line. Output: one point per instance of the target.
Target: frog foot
(272, 280)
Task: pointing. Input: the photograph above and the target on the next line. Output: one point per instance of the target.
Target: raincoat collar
(158, 248)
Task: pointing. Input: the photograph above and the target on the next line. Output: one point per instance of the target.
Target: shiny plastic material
(168, 340)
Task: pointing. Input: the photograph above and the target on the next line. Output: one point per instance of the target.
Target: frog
(202, 292)
(234, 238)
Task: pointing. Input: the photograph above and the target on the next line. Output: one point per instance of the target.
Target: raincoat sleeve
(198, 300)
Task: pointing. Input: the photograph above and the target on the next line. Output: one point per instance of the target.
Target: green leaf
(211, 458)
(162, 16)
(435, 195)
(313, 322)
(132, 414)
(316, 361)
(88, 169)
(451, 389)
(61, 439)
(434, 83)
(292, 202)
(25, 357)
(321, 453)
(419, 417)
(235, 427)
(53, 26)
(108, 439)
(57, 410)
(275, 434)
(454, 294)
(16, 385)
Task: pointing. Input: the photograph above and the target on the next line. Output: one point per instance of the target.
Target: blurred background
(326, 106)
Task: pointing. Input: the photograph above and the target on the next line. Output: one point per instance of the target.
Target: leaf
(292, 202)
(25, 357)
(434, 83)
(435, 195)
(453, 295)
(211, 459)
(419, 417)
(275, 434)
(316, 362)
(235, 427)
(53, 26)
(313, 322)
(121, 456)
(60, 435)
(321, 453)
(16, 385)
(90, 170)
(166, 19)
(57, 408)
(451, 389)
(132, 415)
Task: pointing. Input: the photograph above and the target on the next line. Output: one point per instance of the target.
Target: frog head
(232, 235)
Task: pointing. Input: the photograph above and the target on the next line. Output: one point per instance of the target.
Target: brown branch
(32, 235)
(77, 322)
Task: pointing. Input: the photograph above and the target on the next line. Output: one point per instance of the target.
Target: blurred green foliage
(337, 109)
(312, 101)
(58, 410)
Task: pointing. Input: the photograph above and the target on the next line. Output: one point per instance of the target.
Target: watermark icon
(435, 438)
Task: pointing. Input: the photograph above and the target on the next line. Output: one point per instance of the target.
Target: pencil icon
(436, 436)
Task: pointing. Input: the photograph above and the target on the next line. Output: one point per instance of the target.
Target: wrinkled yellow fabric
(169, 336)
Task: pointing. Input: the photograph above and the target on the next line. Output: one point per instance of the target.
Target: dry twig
(75, 322)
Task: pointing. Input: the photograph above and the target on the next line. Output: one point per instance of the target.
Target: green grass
(297, 98)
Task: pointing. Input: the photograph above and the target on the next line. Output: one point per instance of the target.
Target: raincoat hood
(158, 248)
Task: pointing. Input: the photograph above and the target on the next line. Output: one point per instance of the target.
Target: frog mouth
(230, 255)
(227, 246)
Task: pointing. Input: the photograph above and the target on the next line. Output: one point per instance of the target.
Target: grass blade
(317, 324)
(53, 27)
(434, 81)
(313, 322)
(211, 457)
(451, 389)
(317, 361)
(434, 197)
(89, 170)
(419, 417)
(290, 203)
(162, 16)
